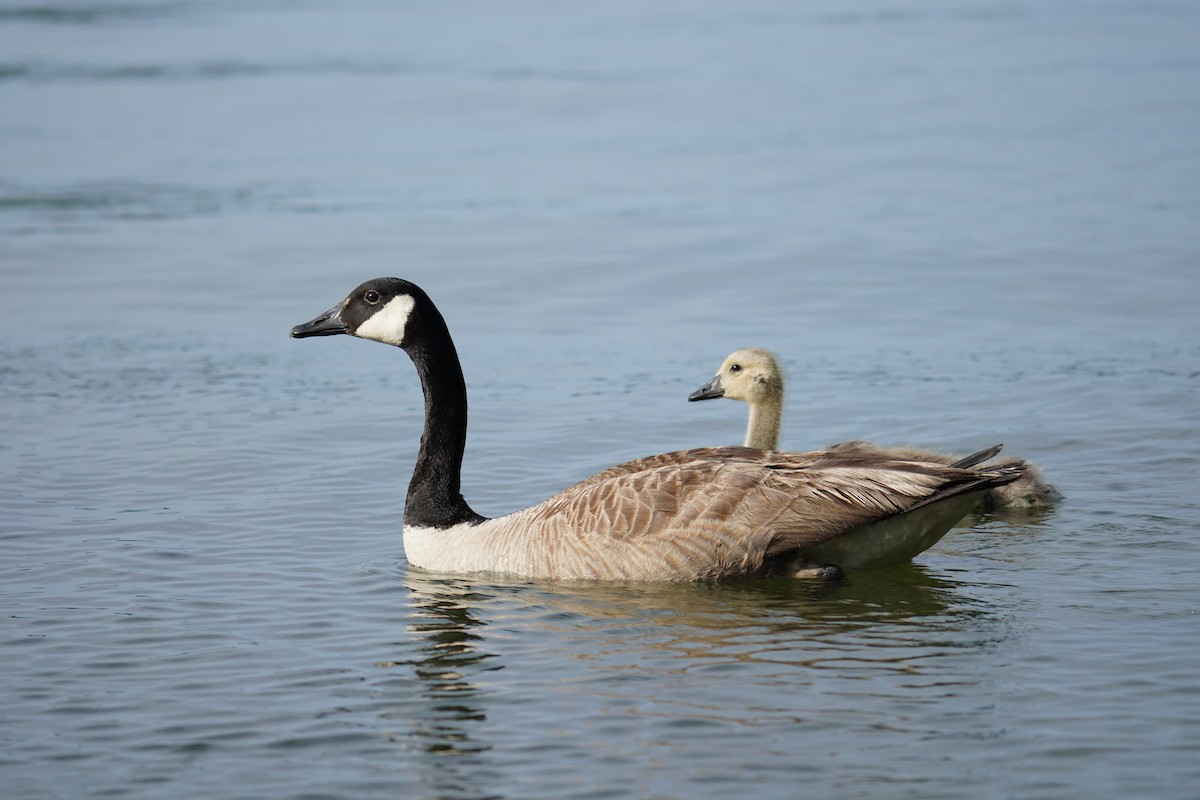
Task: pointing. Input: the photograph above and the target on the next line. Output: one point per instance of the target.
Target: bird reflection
(444, 627)
(640, 656)
(746, 620)
(448, 661)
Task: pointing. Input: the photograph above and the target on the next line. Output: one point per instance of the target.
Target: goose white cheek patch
(387, 324)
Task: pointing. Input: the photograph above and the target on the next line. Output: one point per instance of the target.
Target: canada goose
(754, 376)
(694, 515)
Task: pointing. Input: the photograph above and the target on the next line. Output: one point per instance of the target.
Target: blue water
(958, 223)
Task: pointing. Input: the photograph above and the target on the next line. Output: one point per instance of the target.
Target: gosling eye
(735, 368)
(371, 296)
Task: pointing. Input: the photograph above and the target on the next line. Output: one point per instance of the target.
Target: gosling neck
(762, 431)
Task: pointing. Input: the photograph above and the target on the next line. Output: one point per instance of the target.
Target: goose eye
(371, 296)
(736, 368)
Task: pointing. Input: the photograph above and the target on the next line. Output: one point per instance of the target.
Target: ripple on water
(203, 583)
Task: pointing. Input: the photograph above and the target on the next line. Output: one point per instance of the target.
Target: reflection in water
(448, 651)
(744, 620)
(777, 657)
(897, 593)
(449, 657)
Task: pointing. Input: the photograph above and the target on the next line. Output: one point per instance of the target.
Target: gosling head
(751, 375)
(383, 309)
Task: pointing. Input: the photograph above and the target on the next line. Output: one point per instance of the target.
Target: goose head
(751, 375)
(384, 310)
(397, 312)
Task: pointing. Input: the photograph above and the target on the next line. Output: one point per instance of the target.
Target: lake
(957, 223)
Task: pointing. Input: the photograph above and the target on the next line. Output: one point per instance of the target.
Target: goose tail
(978, 458)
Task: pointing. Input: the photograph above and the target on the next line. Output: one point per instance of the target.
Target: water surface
(957, 223)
